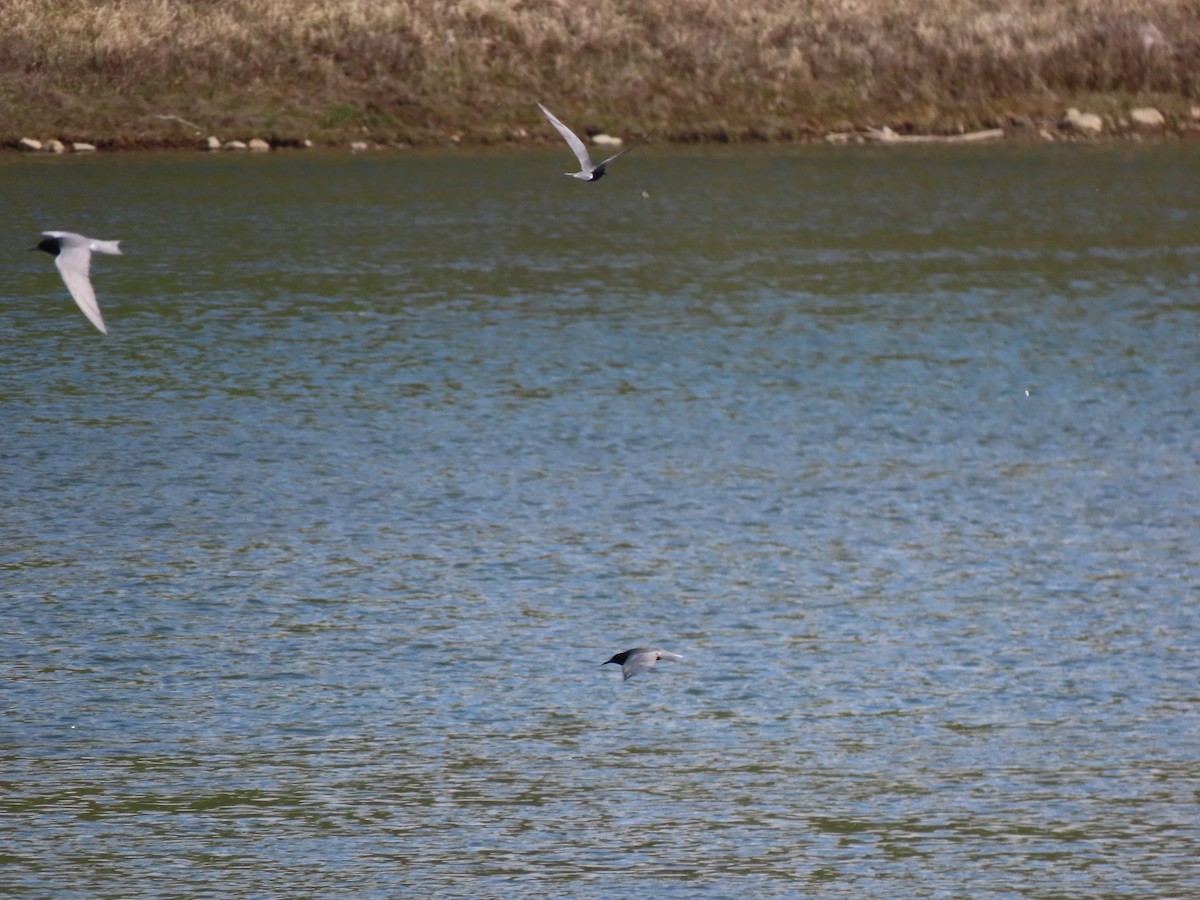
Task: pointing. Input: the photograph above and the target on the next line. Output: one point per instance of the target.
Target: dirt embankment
(164, 73)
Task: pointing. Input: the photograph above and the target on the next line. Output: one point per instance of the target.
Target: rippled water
(307, 569)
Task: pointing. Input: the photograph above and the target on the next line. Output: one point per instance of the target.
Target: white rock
(1152, 37)
(606, 140)
(82, 147)
(29, 144)
(306, 144)
(356, 146)
(258, 145)
(1194, 112)
(212, 142)
(1147, 117)
(54, 146)
(235, 145)
(1088, 123)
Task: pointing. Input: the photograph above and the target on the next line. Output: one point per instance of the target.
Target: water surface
(307, 568)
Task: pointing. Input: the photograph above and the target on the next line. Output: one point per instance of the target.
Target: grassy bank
(425, 70)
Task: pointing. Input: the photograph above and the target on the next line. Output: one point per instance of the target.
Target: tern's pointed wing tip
(632, 146)
(577, 146)
(85, 298)
(73, 265)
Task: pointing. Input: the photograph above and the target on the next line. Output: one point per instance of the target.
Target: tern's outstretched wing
(644, 658)
(577, 146)
(73, 263)
(626, 150)
(635, 663)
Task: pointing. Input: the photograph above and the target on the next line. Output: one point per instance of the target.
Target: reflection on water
(310, 565)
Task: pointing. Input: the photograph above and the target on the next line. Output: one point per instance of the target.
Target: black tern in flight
(588, 171)
(640, 659)
(73, 255)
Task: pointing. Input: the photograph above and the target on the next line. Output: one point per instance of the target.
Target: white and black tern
(640, 659)
(73, 255)
(588, 171)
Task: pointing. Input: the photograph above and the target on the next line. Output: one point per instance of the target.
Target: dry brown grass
(716, 69)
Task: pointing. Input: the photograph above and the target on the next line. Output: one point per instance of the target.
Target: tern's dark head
(619, 659)
(50, 245)
(597, 173)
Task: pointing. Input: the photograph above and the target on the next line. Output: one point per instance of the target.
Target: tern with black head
(588, 171)
(73, 256)
(639, 659)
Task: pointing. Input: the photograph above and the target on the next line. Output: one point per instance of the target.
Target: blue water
(307, 569)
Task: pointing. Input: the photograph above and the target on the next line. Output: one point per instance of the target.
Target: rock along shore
(1137, 123)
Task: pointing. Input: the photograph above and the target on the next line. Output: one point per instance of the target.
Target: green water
(307, 569)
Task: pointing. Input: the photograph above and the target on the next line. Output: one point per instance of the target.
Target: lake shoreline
(150, 74)
(1012, 129)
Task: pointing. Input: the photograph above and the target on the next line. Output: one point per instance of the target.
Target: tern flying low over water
(588, 171)
(640, 659)
(73, 255)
